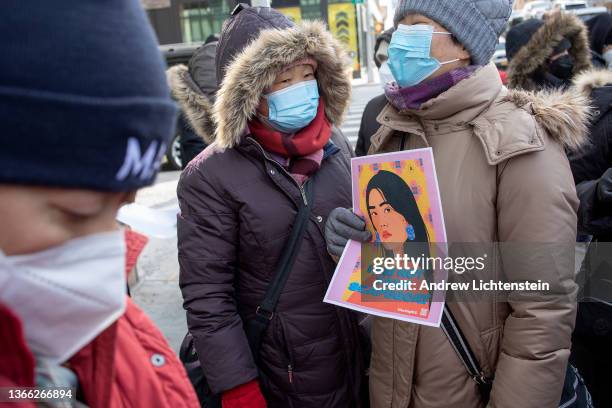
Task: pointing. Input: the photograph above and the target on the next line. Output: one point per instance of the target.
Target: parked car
(537, 9)
(175, 54)
(499, 57)
(588, 13)
(517, 17)
(568, 5)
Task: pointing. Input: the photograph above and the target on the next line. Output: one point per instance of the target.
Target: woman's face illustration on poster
(390, 225)
(393, 212)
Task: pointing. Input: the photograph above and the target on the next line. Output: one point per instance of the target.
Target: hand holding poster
(397, 194)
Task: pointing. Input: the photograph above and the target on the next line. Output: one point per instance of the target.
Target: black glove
(341, 226)
(604, 187)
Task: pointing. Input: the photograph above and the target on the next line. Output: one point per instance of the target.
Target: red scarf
(303, 143)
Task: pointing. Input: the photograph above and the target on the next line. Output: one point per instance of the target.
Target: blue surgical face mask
(293, 108)
(410, 59)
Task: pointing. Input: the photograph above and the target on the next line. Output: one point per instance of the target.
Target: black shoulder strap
(256, 327)
(466, 355)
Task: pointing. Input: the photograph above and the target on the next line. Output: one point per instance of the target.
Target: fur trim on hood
(255, 69)
(540, 47)
(588, 81)
(564, 115)
(195, 105)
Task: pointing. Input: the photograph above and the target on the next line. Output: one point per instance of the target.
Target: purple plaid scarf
(413, 97)
(300, 168)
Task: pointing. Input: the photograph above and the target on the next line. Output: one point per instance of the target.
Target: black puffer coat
(590, 164)
(593, 334)
(369, 124)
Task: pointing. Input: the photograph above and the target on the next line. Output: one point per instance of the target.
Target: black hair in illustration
(399, 195)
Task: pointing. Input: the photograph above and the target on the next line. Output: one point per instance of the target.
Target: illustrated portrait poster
(398, 196)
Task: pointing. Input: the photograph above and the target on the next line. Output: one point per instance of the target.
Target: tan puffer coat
(504, 177)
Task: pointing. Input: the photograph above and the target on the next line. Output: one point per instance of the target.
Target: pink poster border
(352, 252)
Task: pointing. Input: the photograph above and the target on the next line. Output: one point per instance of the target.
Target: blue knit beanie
(477, 24)
(83, 96)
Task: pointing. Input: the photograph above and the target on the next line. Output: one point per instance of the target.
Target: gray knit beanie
(477, 24)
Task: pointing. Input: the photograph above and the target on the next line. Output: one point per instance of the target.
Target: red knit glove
(244, 396)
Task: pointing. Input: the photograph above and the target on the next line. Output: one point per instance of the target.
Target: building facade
(187, 21)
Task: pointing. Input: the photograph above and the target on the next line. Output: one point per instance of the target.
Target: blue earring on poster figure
(410, 232)
(377, 238)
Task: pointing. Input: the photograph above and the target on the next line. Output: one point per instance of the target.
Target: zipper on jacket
(285, 348)
(275, 163)
(304, 193)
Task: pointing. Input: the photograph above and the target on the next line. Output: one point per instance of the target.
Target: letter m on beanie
(141, 165)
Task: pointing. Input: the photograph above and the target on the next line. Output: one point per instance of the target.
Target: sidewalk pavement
(157, 291)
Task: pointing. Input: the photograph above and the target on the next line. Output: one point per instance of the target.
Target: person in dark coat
(593, 161)
(283, 90)
(547, 54)
(592, 169)
(200, 76)
(600, 39)
(552, 55)
(369, 126)
(381, 47)
(191, 143)
(86, 117)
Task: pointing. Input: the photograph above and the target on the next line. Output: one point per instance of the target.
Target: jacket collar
(466, 100)
(460, 104)
(601, 101)
(508, 122)
(330, 149)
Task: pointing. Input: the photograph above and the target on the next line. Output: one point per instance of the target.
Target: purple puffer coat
(238, 207)
(237, 210)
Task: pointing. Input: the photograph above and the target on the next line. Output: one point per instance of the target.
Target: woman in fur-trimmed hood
(283, 88)
(547, 54)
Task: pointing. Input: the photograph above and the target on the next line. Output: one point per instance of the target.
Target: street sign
(343, 24)
(292, 13)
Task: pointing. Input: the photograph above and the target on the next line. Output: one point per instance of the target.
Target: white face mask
(67, 295)
(385, 74)
(608, 57)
